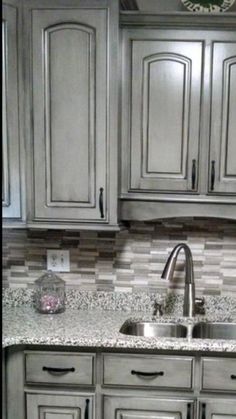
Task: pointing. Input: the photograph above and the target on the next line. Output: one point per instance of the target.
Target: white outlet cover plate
(58, 260)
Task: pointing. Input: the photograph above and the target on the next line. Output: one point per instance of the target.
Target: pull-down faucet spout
(189, 288)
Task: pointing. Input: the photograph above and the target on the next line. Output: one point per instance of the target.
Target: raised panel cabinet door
(222, 161)
(164, 73)
(11, 187)
(61, 406)
(217, 409)
(147, 408)
(70, 81)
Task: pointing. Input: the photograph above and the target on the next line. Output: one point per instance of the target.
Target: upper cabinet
(178, 122)
(12, 180)
(222, 176)
(73, 101)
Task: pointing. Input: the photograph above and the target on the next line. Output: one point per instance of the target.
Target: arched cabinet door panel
(164, 79)
(71, 114)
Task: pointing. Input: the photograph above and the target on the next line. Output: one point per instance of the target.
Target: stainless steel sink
(214, 331)
(151, 329)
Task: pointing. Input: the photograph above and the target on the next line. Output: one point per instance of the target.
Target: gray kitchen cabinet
(109, 385)
(222, 173)
(72, 97)
(124, 407)
(217, 409)
(50, 405)
(12, 148)
(178, 119)
(165, 89)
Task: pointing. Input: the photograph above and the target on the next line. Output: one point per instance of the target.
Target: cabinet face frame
(61, 216)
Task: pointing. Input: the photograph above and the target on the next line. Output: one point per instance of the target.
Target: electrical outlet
(58, 260)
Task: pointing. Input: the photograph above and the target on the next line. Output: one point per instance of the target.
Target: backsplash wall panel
(130, 260)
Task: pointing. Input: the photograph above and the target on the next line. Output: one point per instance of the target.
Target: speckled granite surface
(100, 328)
(224, 306)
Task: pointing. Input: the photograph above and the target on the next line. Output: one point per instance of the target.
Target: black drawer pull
(233, 376)
(212, 175)
(101, 203)
(147, 374)
(193, 173)
(203, 410)
(86, 412)
(189, 411)
(62, 370)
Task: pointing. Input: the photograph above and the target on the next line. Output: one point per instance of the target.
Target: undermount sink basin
(214, 331)
(151, 329)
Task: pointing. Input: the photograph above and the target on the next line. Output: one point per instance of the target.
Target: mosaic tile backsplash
(131, 260)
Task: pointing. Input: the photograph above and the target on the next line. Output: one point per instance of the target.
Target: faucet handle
(199, 305)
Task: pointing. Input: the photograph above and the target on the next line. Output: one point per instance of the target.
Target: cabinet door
(161, 112)
(70, 77)
(63, 406)
(11, 188)
(222, 171)
(218, 409)
(144, 408)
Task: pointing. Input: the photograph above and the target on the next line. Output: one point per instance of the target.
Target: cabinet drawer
(219, 374)
(59, 368)
(151, 371)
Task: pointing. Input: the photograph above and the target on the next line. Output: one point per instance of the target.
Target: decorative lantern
(50, 294)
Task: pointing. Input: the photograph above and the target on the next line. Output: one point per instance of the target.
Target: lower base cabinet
(59, 384)
(147, 408)
(58, 406)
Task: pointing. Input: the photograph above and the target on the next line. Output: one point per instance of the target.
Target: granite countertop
(93, 319)
(93, 328)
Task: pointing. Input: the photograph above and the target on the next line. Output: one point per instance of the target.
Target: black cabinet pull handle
(233, 376)
(189, 411)
(86, 412)
(101, 203)
(52, 369)
(147, 374)
(193, 173)
(213, 175)
(203, 410)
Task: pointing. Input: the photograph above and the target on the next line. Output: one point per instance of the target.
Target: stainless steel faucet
(189, 289)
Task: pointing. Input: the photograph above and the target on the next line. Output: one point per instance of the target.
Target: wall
(131, 260)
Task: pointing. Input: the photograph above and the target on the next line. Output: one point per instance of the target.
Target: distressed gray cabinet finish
(217, 409)
(11, 76)
(64, 406)
(223, 121)
(74, 111)
(95, 385)
(178, 120)
(165, 98)
(144, 408)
